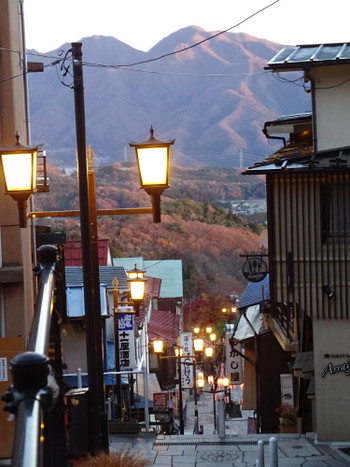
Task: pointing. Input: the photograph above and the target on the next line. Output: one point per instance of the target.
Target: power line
(130, 65)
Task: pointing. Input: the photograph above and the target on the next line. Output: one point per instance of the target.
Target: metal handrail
(29, 395)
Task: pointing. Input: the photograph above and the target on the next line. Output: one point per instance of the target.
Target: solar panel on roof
(312, 53)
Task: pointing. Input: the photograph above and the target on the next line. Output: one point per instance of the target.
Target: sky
(143, 23)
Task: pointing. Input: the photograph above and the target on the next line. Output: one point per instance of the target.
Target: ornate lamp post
(19, 168)
(153, 162)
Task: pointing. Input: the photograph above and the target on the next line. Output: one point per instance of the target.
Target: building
(308, 194)
(17, 283)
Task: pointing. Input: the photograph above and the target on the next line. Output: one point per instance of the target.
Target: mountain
(213, 98)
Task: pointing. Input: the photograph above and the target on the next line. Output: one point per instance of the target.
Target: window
(335, 203)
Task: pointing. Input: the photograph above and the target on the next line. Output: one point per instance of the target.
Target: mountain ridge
(213, 98)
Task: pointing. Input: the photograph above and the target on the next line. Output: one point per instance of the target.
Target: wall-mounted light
(19, 167)
(153, 163)
(330, 292)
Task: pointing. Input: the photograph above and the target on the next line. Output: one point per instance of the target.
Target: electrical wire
(213, 36)
(169, 54)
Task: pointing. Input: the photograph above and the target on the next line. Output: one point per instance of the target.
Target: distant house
(308, 208)
(73, 253)
(165, 319)
(170, 298)
(151, 323)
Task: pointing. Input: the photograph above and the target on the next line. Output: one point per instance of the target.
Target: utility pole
(97, 417)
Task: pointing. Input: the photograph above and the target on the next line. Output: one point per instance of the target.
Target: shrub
(120, 458)
(287, 414)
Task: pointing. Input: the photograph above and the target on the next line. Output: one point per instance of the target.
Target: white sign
(127, 360)
(287, 393)
(3, 369)
(234, 361)
(186, 370)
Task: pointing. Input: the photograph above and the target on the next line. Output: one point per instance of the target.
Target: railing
(30, 396)
(285, 316)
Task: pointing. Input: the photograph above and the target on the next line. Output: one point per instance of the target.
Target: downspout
(281, 138)
(307, 78)
(32, 240)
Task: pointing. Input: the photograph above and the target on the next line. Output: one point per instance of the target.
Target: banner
(187, 369)
(126, 334)
(234, 361)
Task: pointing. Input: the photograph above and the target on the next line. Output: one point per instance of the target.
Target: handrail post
(27, 397)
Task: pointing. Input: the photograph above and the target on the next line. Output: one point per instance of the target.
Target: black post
(214, 407)
(180, 408)
(196, 426)
(98, 428)
(117, 363)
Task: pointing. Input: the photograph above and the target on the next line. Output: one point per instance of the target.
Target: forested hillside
(194, 228)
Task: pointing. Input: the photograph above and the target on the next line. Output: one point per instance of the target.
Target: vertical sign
(3, 369)
(287, 393)
(127, 358)
(234, 367)
(186, 369)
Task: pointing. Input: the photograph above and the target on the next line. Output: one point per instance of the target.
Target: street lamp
(158, 345)
(212, 337)
(153, 163)
(137, 284)
(198, 344)
(19, 168)
(209, 351)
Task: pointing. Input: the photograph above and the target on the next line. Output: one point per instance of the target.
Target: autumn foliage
(198, 230)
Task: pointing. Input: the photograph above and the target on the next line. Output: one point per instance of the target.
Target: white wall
(332, 97)
(331, 347)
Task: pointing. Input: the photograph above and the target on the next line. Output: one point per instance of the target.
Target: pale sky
(143, 23)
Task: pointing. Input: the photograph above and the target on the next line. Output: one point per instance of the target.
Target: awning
(303, 366)
(250, 324)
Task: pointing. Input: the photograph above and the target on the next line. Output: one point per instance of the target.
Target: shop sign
(127, 360)
(186, 361)
(335, 369)
(233, 359)
(287, 392)
(160, 401)
(255, 268)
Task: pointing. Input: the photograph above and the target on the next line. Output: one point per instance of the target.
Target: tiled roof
(255, 293)
(74, 276)
(302, 160)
